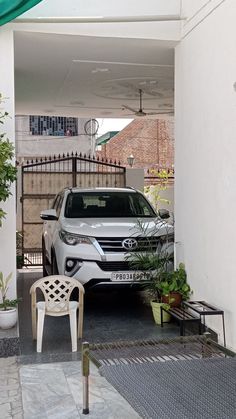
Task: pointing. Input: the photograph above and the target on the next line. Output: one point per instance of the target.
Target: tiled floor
(54, 391)
(108, 316)
(52, 386)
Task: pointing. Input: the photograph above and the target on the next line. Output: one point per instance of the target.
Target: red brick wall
(151, 141)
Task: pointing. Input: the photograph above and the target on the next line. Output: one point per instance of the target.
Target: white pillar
(135, 178)
(8, 230)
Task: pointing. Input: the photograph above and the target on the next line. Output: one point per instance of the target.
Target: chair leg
(80, 320)
(73, 329)
(41, 315)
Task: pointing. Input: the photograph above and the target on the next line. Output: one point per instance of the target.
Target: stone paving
(54, 391)
(10, 389)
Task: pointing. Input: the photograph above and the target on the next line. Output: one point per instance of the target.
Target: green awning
(10, 9)
(106, 137)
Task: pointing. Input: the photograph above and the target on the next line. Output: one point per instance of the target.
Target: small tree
(153, 192)
(8, 171)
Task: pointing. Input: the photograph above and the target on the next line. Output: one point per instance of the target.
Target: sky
(110, 124)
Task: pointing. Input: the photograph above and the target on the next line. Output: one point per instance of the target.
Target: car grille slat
(114, 266)
(114, 245)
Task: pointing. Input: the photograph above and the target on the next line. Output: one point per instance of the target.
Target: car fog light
(70, 263)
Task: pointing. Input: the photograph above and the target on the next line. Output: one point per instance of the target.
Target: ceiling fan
(140, 111)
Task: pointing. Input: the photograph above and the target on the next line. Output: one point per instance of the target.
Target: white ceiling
(88, 76)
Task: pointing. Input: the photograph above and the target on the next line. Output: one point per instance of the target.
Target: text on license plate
(129, 276)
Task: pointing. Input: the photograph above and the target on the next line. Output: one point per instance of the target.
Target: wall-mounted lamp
(130, 160)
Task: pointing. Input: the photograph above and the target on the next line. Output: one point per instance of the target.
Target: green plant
(8, 172)
(153, 192)
(154, 262)
(4, 285)
(176, 281)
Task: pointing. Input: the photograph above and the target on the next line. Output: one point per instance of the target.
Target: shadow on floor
(108, 316)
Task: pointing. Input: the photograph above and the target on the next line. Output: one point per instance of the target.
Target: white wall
(205, 169)
(135, 178)
(28, 145)
(8, 230)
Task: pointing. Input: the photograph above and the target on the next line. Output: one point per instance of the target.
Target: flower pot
(174, 299)
(156, 311)
(8, 318)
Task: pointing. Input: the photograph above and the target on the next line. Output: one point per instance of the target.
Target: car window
(59, 205)
(107, 204)
(55, 202)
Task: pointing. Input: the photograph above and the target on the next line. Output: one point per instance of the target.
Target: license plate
(129, 276)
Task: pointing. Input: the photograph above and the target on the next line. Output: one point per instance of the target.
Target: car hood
(115, 227)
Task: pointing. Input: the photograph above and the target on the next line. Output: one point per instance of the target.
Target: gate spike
(32, 161)
(97, 158)
(63, 155)
(106, 161)
(76, 154)
(85, 155)
(72, 154)
(119, 163)
(67, 155)
(110, 161)
(80, 154)
(54, 157)
(89, 157)
(36, 161)
(45, 158)
(102, 159)
(50, 158)
(41, 160)
(27, 162)
(115, 162)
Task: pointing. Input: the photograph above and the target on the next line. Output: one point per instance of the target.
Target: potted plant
(8, 308)
(154, 265)
(174, 286)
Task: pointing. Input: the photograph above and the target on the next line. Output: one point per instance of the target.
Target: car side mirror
(49, 215)
(163, 214)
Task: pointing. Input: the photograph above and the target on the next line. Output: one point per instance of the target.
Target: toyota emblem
(130, 244)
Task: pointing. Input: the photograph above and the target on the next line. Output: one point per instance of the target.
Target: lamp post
(130, 160)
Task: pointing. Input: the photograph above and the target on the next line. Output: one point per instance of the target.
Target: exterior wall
(31, 146)
(205, 197)
(149, 140)
(8, 230)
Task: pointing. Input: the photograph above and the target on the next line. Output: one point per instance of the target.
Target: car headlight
(73, 239)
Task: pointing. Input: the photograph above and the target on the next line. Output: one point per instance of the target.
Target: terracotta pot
(156, 311)
(174, 299)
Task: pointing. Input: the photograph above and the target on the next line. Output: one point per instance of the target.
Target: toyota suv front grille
(115, 244)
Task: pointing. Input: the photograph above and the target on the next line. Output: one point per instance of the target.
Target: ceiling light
(100, 70)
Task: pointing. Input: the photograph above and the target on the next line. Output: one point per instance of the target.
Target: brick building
(151, 141)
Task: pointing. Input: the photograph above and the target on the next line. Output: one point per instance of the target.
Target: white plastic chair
(57, 290)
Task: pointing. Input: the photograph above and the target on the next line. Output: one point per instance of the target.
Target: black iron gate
(43, 179)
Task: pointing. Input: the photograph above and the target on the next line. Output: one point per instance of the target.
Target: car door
(50, 226)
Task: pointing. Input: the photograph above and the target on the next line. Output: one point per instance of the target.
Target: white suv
(89, 232)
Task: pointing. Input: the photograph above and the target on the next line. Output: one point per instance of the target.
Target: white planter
(8, 318)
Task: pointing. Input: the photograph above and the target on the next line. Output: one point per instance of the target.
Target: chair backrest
(57, 290)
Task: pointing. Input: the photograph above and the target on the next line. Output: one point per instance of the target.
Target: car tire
(54, 264)
(44, 259)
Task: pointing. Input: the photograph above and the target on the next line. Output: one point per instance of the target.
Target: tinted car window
(107, 204)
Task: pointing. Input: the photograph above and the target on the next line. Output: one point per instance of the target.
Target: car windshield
(107, 205)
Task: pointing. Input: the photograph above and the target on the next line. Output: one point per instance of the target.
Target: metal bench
(182, 315)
